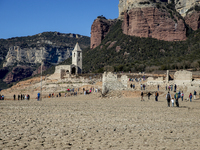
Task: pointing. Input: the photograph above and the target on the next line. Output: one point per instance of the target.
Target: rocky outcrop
(182, 6)
(193, 20)
(151, 22)
(99, 29)
(18, 73)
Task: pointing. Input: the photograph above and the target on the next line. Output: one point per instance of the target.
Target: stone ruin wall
(111, 82)
(182, 77)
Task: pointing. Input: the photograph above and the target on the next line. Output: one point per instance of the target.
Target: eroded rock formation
(99, 29)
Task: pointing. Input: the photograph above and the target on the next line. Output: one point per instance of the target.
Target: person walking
(195, 93)
(148, 94)
(182, 95)
(190, 96)
(156, 96)
(168, 98)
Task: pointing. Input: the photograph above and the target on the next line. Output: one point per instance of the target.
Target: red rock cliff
(99, 29)
(151, 22)
(193, 20)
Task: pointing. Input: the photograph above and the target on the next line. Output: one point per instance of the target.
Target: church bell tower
(77, 58)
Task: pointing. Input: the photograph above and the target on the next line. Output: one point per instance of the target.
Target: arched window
(78, 54)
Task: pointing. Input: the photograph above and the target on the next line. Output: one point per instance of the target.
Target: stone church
(64, 71)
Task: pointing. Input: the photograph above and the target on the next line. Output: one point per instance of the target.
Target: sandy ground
(90, 123)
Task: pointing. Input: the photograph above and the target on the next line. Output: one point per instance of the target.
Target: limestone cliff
(35, 55)
(182, 6)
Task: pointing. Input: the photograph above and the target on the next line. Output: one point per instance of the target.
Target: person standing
(158, 87)
(195, 93)
(171, 87)
(38, 96)
(141, 86)
(182, 94)
(176, 99)
(142, 94)
(172, 102)
(175, 87)
(168, 98)
(190, 96)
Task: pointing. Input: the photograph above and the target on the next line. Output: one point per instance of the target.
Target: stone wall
(182, 77)
(111, 82)
(152, 81)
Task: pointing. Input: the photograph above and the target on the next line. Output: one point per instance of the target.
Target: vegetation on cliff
(130, 53)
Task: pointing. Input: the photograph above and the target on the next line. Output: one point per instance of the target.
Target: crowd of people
(170, 99)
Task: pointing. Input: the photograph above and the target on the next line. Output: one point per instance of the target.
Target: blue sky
(30, 17)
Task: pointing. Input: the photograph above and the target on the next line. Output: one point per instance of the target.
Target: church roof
(77, 47)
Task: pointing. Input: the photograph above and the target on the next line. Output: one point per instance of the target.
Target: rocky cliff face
(151, 22)
(193, 20)
(160, 19)
(36, 55)
(18, 73)
(99, 29)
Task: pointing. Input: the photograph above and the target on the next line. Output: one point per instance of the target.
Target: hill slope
(21, 54)
(130, 53)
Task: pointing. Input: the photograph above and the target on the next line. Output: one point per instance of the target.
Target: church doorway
(73, 70)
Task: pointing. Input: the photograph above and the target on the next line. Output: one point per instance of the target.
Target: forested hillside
(120, 52)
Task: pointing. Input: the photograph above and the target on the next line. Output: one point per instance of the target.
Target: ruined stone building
(75, 68)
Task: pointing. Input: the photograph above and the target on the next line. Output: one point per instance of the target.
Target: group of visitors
(132, 86)
(21, 97)
(170, 87)
(176, 97)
